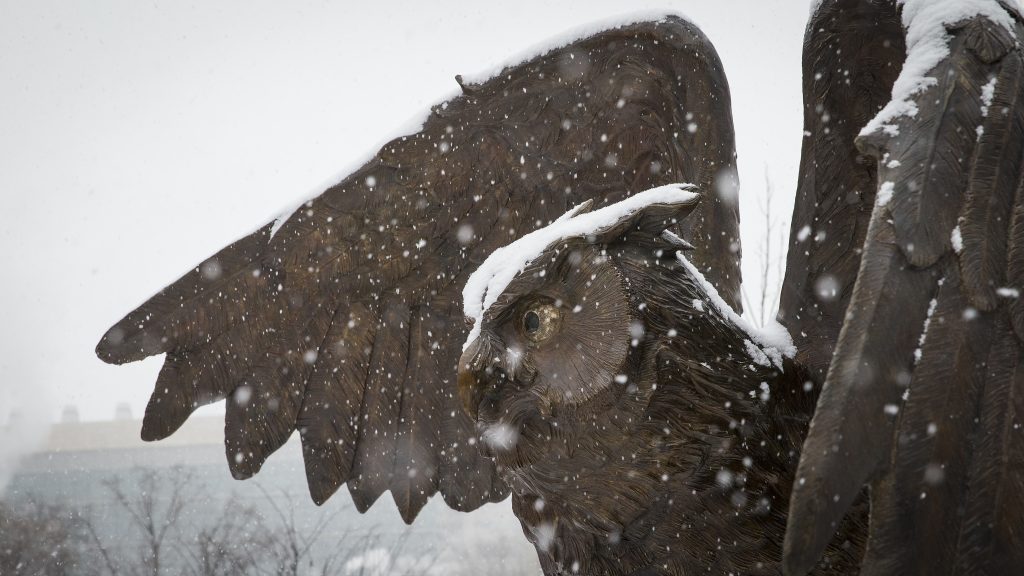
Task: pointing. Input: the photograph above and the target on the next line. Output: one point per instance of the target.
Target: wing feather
(330, 411)
(927, 196)
(992, 187)
(194, 309)
(344, 324)
(380, 412)
(837, 185)
(934, 421)
(996, 468)
(416, 463)
(937, 434)
(261, 421)
(193, 378)
(852, 429)
(1015, 264)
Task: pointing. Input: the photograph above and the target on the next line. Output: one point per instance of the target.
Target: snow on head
(492, 277)
(928, 40)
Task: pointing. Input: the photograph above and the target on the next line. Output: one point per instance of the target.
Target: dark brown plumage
(649, 434)
(345, 324)
(682, 461)
(836, 190)
(922, 399)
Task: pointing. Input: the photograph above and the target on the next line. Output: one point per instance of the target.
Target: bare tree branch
(762, 305)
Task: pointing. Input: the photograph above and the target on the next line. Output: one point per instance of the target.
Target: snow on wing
(345, 322)
(924, 395)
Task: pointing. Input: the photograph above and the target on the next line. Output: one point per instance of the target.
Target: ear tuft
(674, 239)
(582, 208)
(650, 221)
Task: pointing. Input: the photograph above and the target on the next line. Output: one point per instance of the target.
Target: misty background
(139, 138)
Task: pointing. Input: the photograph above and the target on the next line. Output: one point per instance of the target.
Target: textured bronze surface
(634, 423)
(677, 450)
(924, 394)
(347, 324)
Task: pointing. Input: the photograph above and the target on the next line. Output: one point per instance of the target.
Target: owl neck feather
(691, 466)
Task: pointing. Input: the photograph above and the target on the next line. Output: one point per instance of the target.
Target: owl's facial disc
(556, 338)
(552, 329)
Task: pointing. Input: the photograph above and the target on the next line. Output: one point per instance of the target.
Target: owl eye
(531, 322)
(539, 323)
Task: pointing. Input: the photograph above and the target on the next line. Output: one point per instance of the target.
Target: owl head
(557, 327)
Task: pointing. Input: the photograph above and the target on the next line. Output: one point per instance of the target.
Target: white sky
(138, 138)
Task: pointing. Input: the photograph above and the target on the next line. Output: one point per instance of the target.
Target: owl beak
(470, 388)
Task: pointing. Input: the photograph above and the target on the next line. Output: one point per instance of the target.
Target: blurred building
(81, 461)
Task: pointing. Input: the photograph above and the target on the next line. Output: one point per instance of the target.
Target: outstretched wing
(848, 74)
(924, 394)
(345, 322)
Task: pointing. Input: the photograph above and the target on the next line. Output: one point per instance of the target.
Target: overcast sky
(138, 138)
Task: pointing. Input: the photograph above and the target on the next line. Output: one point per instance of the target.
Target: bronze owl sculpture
(606, 381)
(640, 425)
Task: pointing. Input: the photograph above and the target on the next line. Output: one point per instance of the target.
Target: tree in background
(41, 539)
(153, 501)
(145, 528)
(236, 543)
(761, 305)
(290, 551)
(239, 540)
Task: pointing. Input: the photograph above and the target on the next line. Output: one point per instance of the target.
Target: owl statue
(606, 381)
(642, 426)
